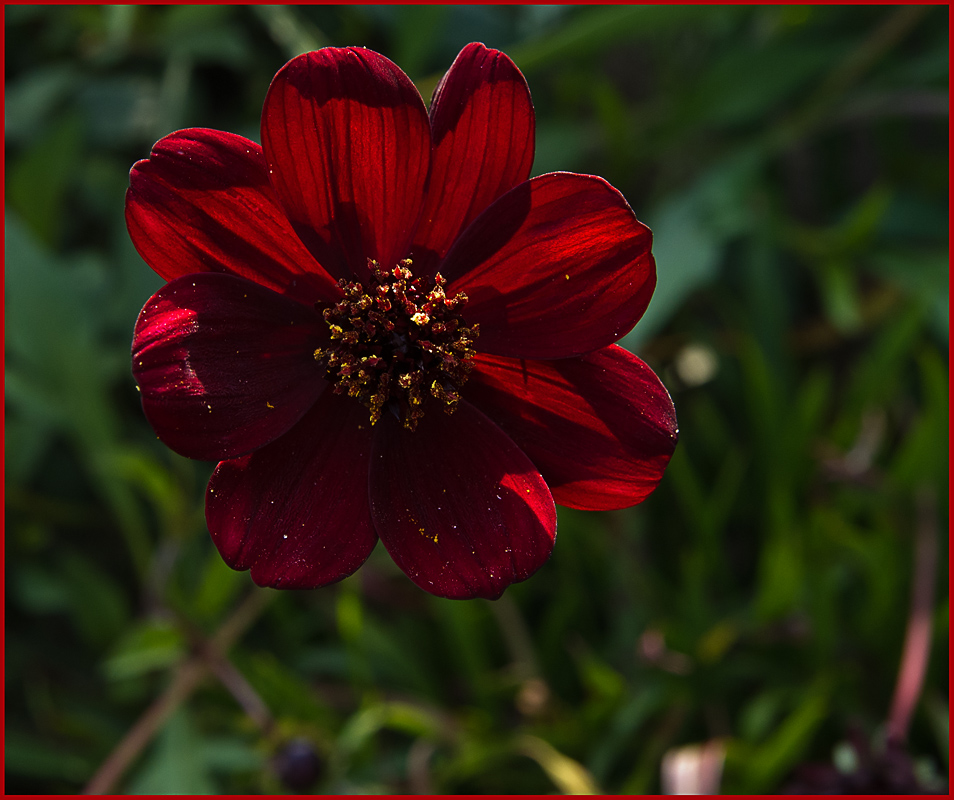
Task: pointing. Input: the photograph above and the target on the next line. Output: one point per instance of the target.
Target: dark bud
(297, 765)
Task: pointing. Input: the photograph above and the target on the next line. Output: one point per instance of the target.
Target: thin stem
(185, 681)
(917, 640)
(244, 693)
(820, 106)
(517, 637)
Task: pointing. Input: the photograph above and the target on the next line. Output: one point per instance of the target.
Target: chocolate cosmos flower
(380, 328)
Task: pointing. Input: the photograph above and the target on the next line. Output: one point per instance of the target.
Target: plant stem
(185, 681)
(917, 640)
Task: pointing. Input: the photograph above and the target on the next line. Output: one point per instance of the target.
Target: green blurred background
(793, 164)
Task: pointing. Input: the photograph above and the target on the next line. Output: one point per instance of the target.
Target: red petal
(202, 202)
(483, 127)
(296, 512)
(600, 428)
(557, 267)
(347, 140)
(457, 504)
(225, 365)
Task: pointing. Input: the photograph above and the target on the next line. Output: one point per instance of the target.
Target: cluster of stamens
(393, 345)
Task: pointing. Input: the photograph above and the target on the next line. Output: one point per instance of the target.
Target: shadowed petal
(225, 365)
(600, 428)
(348, 144)
(296, 511)
(202, 202)
(457, 504)
(483, 127)
(557, 267)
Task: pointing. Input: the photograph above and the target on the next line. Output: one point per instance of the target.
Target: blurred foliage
(792, 162)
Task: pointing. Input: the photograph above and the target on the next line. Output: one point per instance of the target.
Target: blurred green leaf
(50, 337)
(912, 218)
(118, 111)
(871, 550)
(204, 33)
(37, 180)
(78, 587)
(224, 44)
(38, 590)
(288, 29)
(562, 146)
(32, 100)
(605, 683)
(877, 372)
(25, 444)
(350, 617)
(361, 729)
(39, 758)
(464, 627)
(782, 564)
(229, 755)
(330, 661)
(690, 230)
(149, 645)
(919, 458)
(749, 81)
(568, 776)
(759, 715)
(58, 367)
(218, 588)
(98, 604)
(923, 273)
(624, 726)
(594, 28)
(769, 761)
(840, 291)
(687, 255)
(283, 690)
(395, 664)
(177, 764)
(415, 35)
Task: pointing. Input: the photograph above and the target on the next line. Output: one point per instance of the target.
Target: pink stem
(917, 641)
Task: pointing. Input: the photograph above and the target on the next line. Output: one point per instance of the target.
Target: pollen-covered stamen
(394, 345)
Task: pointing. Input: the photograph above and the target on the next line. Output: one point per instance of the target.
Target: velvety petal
(557, 267)
(483, 127)
(224, 365)
(600, 428)
(457, 504)
(296, 511)
(348, 143)
(202, 202)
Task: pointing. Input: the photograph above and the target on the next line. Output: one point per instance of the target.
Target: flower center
(393, 345)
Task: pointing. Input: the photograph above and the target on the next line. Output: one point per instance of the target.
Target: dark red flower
(380, 328)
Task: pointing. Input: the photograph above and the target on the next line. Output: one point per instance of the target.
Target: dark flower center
(393, 345)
